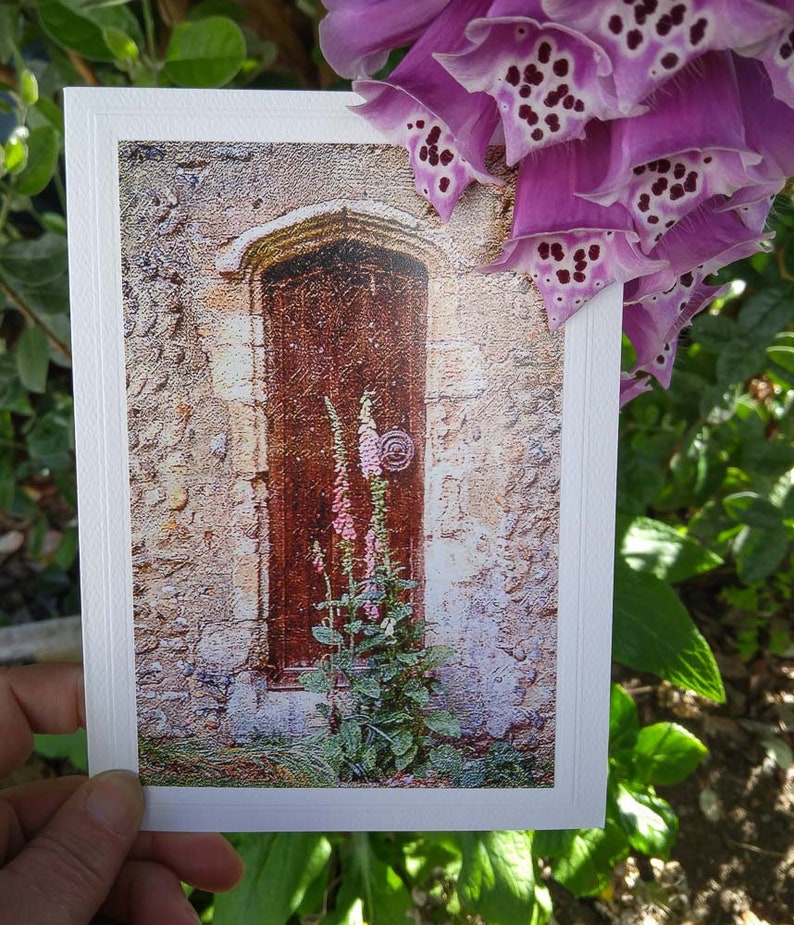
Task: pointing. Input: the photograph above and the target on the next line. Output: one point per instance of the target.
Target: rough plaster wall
(493, 394)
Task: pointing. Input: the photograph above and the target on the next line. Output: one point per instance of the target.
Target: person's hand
(70, 847)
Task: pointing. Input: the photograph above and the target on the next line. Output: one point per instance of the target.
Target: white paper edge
(96, 119)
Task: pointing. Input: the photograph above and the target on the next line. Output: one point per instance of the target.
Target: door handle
(396, 450)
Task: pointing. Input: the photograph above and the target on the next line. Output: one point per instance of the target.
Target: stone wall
(196, 222)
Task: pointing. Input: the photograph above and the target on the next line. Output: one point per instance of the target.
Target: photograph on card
(344, 475)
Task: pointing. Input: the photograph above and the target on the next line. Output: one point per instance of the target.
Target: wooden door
(344, 318)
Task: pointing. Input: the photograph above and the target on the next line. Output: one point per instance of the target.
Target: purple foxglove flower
(571, 248)
(777, 54)
(357, 35)
(445, 128)
(650, 40)
(701, 243)
(631, 386)
(669, 161)
(654, 324)
(547, 80)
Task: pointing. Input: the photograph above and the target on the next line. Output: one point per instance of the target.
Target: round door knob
(396, 450)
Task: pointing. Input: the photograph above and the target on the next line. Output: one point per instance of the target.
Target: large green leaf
(748, 507)
(497, 877)
(666, 753)
(764, 314)
(279, 867)
(623, 719)
(582, 859)
(207, 53)
(653, 632)
(71, 747)
(652, 546)
(78, 25)
(34, 263)
(371, 890)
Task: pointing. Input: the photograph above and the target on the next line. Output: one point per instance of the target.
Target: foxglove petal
(547, 80)
(654, 324)
(701, 243)
(650, 40)
(777, 54)
(445, 128)
(357, 35)
(669, 161)
(631, 386)
(571, 248)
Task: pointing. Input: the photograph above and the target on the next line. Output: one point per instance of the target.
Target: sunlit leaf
(652, 546)
(78, 26)
(666, 753)
(648, 820)
(653, 632)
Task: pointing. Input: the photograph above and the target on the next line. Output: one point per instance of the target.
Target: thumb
(65, 873)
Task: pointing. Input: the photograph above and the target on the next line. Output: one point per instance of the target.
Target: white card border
(96, 120)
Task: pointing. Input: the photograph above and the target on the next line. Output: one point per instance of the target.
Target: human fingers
(202, 859)
(37, 698)
(146, 893)
(65, 873)
(27, 808)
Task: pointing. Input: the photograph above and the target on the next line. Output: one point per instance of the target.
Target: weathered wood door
(344, 318)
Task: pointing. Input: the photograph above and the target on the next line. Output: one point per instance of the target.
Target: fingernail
(190, 916)
(115, 800)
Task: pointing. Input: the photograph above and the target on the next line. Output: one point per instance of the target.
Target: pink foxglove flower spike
(571, 248)
(776, 53)
(445, 128)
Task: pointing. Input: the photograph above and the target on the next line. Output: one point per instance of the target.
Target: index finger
(37, 698)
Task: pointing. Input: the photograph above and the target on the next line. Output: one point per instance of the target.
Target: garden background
(700, 791)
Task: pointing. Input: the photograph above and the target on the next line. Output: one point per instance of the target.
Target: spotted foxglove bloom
(776, 52)
(653, 324)
(445, 128)
(547, 80)
(667, 162)
(648, 41)
(571, 248)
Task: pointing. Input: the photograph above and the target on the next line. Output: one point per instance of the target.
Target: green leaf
(435, 656)
(120, 45)
(316, 682)
(366, 686)
(71, 747)
(279, 867)
(327, 636)
(9, 17)
(34, 262)
(624, 722)
(43, 149)
(207, 53)
(652, 546)
(15, 155)
(497, 876)
(13, 395)
(582, 859)
(444, 723)
(33, 359)
(665, 754)
(648, 820)
(653, 632)
(371, 891)
(78, 25)
(759, 552)
(401, 741)
(764, 314)
(750, 508)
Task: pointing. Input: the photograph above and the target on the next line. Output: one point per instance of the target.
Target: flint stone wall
(192, 216)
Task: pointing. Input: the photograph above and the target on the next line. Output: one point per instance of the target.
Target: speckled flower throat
(651, 136)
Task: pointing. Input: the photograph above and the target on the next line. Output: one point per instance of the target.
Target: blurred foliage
(705, 482)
